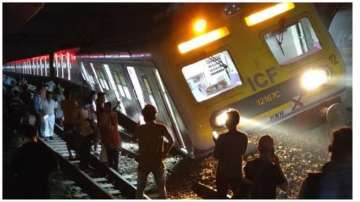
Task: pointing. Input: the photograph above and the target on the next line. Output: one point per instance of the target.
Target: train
(270, 61)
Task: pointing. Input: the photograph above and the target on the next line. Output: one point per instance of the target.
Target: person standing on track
(152, 151)
(37, 100)
(229, 150)
(86, 132)
(265, 173)
(71, 109)
(48, 107)
(335, 179)
(100, 102)
(110, 136)
(91, 105)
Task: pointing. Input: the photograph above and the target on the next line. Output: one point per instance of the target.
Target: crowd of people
(264, 174)
(86, 122)
(92, 121)
(31, 162)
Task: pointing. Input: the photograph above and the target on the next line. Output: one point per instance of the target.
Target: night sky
(31, 29)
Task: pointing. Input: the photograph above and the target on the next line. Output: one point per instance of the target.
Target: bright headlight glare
(313, 79)
(215, 134)
(221, 119)
(199, 26)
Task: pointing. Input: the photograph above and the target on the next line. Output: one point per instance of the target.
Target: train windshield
(293, 42)
(211, 76)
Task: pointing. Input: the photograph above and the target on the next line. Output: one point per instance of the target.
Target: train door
(148, 91)
(132, 108)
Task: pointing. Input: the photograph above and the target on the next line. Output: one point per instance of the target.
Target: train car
(131, 79)
(36, 66)
(272, 62)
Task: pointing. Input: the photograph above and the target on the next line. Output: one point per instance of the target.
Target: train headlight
(199, 26)
(313, 78)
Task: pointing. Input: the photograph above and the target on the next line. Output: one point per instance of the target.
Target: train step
(114, 192)
(80, 196)
(106, 185)
(68, 182)
(100, 179)
(75, 161)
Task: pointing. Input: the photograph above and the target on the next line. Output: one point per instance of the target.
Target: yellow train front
(270, 61)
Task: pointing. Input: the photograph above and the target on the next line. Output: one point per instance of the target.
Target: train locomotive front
(271, 62)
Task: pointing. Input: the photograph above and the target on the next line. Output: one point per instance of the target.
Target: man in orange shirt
(110, 135)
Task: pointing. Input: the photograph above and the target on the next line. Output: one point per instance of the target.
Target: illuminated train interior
(130, 79)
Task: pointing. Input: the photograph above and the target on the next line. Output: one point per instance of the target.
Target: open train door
(149, 89)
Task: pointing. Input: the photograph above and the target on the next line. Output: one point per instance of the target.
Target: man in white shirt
(48, 107)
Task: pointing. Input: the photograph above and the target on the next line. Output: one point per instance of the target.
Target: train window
(38, 67)
(47, 67)
(118, 84)
(41, 66)
(87, 76)
(149, 91)
(294, 42)
(111, 80)
(102, 77)
(136, 83)
(96, 77)
(57, 66)
(104, 84)
(63, 65)
(124, 85)
(211, 76)
(127, 92)
(121, 90)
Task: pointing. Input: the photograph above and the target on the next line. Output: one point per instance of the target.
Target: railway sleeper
(205, 191)
(101, 173)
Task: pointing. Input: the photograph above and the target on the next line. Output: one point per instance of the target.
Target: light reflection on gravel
(298, 156)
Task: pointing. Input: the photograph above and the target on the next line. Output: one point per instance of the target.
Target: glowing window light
(268, 13)
(68, 58)
(62, 65)
(136, 83)
(41, 65)
(111, 79)
(47, 66)
(203, 40)
(172, 113)
(86, 75)
(96, 77)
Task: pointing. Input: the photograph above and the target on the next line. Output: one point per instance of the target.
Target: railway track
(101, 182)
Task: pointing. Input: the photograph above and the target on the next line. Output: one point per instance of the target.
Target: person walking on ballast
(152, 151)
(229, 150)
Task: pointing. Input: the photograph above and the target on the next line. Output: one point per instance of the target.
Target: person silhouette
(229, 150)
(152, 151)
(335, 179)
(265, 173)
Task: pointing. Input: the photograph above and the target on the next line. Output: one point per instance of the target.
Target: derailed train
(270, 61)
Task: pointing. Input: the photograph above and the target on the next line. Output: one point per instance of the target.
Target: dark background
(31, 29)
